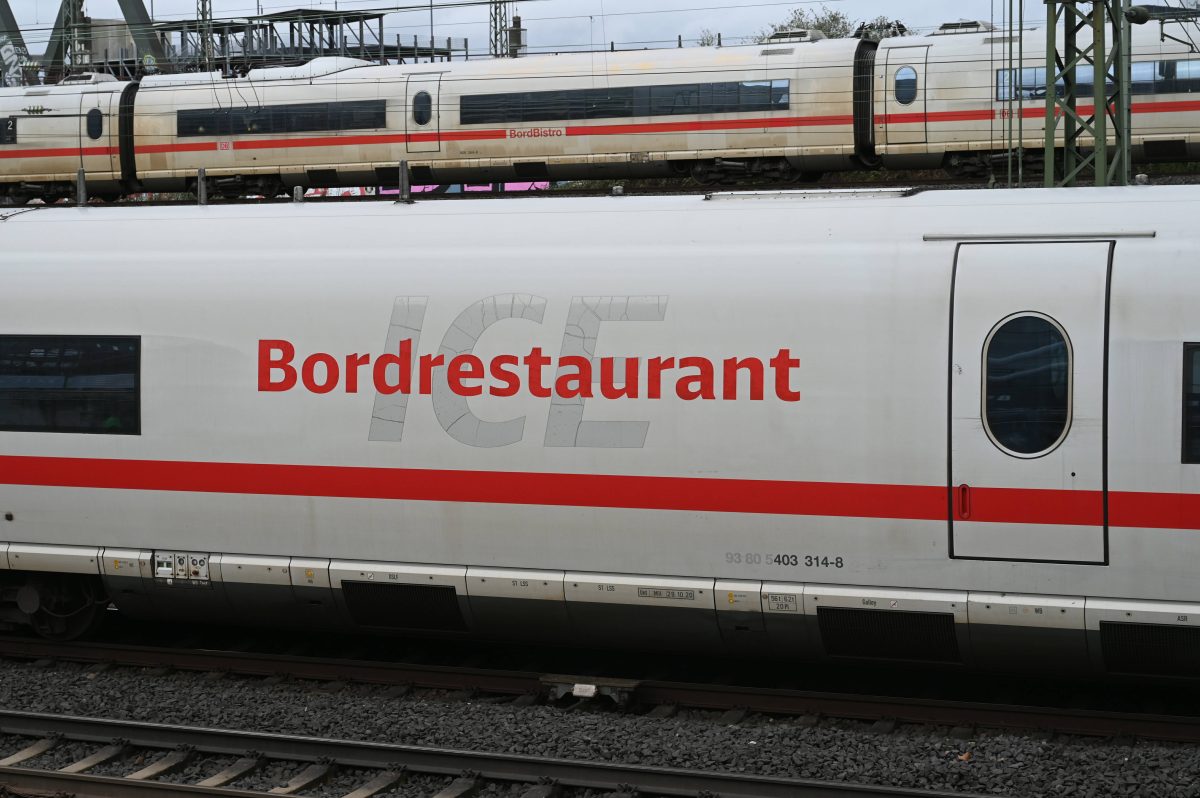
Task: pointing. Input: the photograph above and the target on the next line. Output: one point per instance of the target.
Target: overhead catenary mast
(498, 24)
(204, 22)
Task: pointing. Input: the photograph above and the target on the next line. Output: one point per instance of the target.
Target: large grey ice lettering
(566, 426)
(387, 417)
(452, 410)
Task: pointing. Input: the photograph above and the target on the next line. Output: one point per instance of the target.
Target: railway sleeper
(384, 781)
(163, 766)
(105, 754)
(465, 786)
(311, 776)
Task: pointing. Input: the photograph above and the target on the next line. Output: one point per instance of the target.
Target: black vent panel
(391, 606)
(1169, 150)
(1151, 649)
(884, 634)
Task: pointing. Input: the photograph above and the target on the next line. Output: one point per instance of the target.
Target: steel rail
(1164, 727)
(502, 682)
(387, 756)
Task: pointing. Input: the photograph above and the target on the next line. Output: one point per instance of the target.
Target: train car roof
(668, 61)
(1145, 38)
(818, 216)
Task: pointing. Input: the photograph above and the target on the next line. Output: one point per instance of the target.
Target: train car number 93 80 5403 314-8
(788, 560)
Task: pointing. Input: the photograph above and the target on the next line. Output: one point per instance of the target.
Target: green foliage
(831, 22)
(836, 25)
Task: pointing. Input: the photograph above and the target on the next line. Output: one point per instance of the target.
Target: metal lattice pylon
(1093, 129)
(74, 35)
(204, 24)
(498, 23)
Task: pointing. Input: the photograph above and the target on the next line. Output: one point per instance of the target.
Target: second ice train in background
(788, 109)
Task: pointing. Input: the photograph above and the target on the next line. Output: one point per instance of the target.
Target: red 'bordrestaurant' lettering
(536, 373)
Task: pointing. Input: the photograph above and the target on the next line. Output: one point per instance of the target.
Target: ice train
(788, 109)
(954, 427)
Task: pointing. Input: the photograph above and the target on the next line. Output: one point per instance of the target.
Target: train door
(1028, 382)
(97, 132)
(904, 95)
(423, 116)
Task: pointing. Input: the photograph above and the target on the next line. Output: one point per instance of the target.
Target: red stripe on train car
(979, 115)
(59, 152)
(456, 135)
(696, 494)
(1154, 510)
(1033, 506)
(492, 487)
(936, 116)
(698, 127)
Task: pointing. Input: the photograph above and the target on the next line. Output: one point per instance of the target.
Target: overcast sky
(560, 23)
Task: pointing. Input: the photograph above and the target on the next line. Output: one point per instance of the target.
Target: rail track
(385, 767)
(661, 698)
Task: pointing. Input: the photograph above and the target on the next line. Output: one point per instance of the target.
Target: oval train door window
(95, 123)
(1027, 385)
(422, 108)
(906, 85)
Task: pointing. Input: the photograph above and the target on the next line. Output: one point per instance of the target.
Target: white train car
(787, 109)
(953, 427)
(955, 99)
(49, 133)
(338, 121)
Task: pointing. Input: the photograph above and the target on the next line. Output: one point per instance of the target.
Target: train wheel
(705, 174)
(61, 607)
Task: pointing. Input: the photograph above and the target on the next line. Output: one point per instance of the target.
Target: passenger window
(1027, 381)
(1191, 403)
(60, 383)
(95, 123)
(906, 85)
(422, 108)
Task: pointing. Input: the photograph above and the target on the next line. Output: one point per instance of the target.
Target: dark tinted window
(8, 130)
(1148, 77)
(298, 118)
(1028, 378)
(95, 123)
(624, 102)
(906, 85)
(1191, 403)
(59, 383)
(422, 108)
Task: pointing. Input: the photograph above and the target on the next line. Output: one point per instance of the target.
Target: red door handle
(964, 501)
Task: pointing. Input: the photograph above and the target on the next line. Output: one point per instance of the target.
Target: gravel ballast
(912, 756)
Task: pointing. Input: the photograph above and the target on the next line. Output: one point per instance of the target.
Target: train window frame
(1190, 374)
(422, 108)
(262, 120)
(916, 84)
(1070, 385)
(124, 407)
(626, 102)
(95, 124)
(8, 130)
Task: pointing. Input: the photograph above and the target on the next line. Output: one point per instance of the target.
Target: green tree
(831, 22)
(836, 25)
